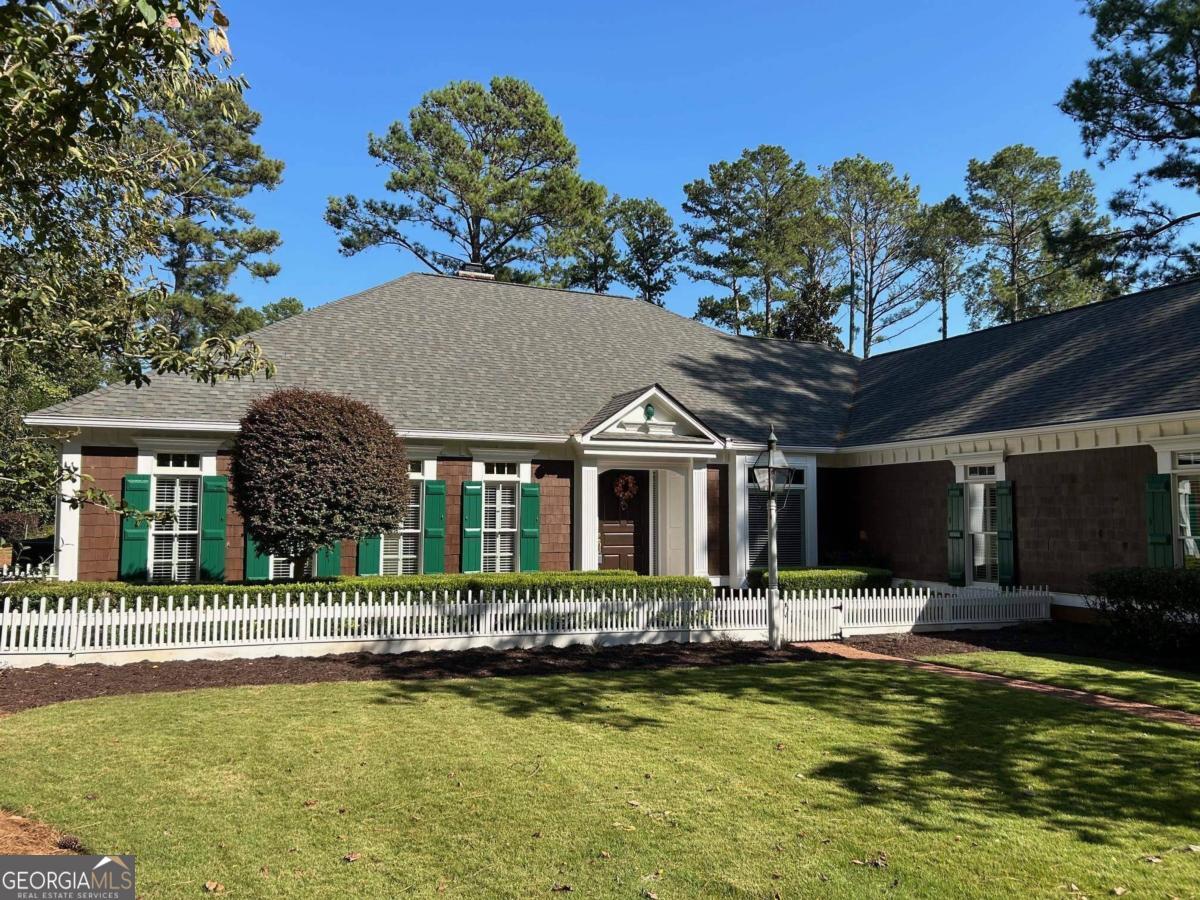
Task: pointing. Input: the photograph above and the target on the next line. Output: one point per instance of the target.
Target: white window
(500, 525)
(981, 472)
(282, 568)
(176, 543)
(789, 523)
(177, 460)
(400, 550)
(1187, 519)
(981, 522)
(501, 468)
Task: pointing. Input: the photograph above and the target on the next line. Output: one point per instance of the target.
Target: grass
(1128, 681)
(734, 782)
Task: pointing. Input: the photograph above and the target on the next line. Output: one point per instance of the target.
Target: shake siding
(1078, 512)
(235, 535)
(718, 520)
(99, 529)
(894, 515)
(454, 471)
(556, 478)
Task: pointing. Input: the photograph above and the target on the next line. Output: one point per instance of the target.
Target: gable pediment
(649, 415)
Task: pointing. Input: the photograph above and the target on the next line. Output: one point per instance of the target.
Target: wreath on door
(626, 488)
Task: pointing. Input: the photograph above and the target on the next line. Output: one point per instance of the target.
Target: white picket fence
(889, 611)
(27, 572)
(34, 631)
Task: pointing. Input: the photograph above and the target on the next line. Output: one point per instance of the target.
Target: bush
(551, 584)
(312, 468)
(1154, 608)
(826, 578)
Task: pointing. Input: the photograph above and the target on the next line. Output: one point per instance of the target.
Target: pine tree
(1020, 198)
(208, 236)
(652, 248)
(487, 170)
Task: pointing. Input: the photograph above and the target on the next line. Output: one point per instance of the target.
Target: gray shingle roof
(1132, 356)
(436, 353)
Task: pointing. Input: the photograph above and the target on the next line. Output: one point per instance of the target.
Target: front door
(624, 505)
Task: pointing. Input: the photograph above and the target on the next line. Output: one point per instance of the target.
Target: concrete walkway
(1101, 701)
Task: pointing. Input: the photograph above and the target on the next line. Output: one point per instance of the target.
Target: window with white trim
(493, 469)
(500, 526)
(981, 526)
(981, 472)
(177, 460)
(400, 550)
(1187, 508)
(176, 539)
(281, 568)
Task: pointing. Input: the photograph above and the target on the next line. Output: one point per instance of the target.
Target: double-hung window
(176, 537)
(1187, 508)
(501, 489)
(400, 550)
(981, 521)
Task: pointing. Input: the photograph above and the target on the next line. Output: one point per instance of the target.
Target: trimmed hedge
(551, 584)
(1156, 608)
(826, 578)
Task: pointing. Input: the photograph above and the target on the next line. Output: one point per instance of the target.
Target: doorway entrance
(624, 506)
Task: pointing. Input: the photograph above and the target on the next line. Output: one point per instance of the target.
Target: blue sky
(651, 93)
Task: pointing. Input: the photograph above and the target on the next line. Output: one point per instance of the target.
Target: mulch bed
(1063, 638)
(43, 685)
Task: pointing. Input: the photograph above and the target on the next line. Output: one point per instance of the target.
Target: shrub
(826, 578)
(1155, 608)
(551, 584)
(312, 468)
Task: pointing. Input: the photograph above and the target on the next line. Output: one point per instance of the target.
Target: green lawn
(1129, 681)
(736, 782)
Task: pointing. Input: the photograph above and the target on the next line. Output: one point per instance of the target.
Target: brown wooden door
(624, 527)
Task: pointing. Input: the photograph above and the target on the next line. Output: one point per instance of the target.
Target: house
(560, 430)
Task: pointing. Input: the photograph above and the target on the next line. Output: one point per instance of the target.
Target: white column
(697, 500)
(739, 534)
(587, 512)
(66, 537)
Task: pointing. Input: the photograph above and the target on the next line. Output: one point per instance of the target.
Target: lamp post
(769, 468)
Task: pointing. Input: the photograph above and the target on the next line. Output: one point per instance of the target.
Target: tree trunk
(850, 347)
(767, 306)
(945, 311)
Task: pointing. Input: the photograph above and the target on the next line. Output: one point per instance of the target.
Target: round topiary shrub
(311, 468)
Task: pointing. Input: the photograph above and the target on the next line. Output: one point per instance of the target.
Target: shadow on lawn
(943, 736)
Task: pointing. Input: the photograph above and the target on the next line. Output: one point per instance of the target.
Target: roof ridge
(691, 320)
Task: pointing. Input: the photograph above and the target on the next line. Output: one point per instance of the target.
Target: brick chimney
(475, 271)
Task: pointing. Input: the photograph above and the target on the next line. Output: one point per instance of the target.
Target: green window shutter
(433, 551)
(531, 516)
(213, 502)
(1006, 535)
(1159, 516)
(368, 555)
(472, 526)
(258, 565)
(956, 538)
(329, 561)
(135, 536)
